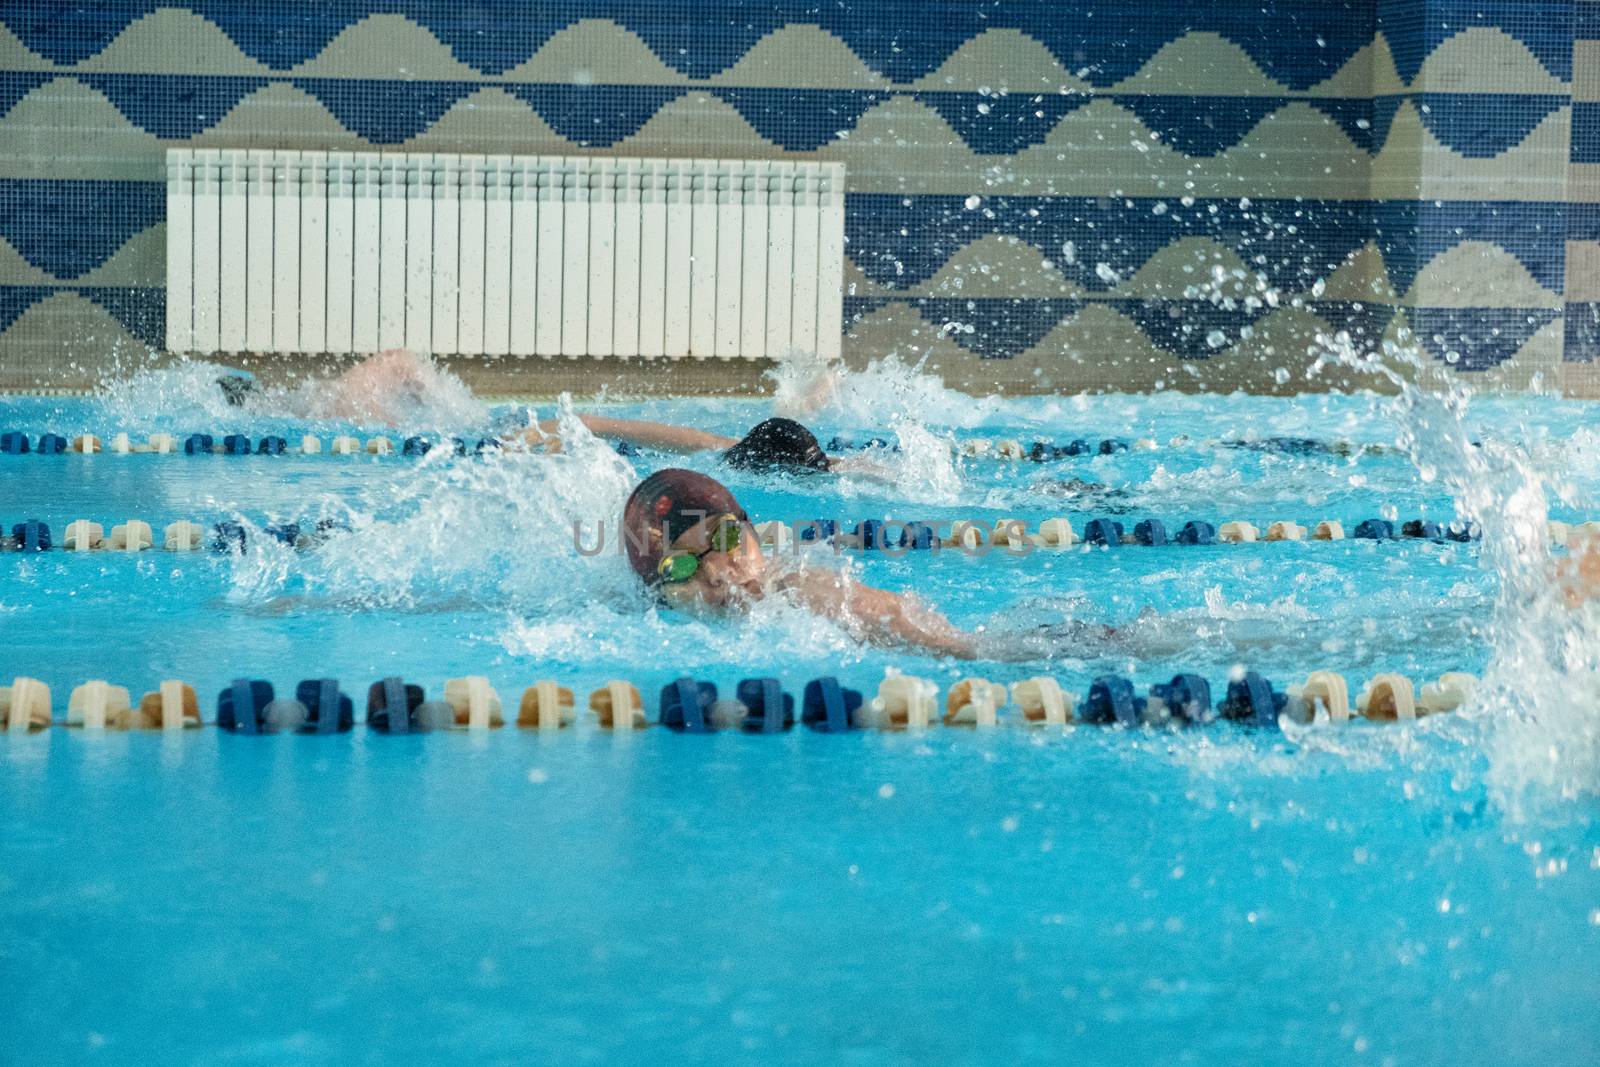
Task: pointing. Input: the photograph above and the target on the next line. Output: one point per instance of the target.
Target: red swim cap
(665, 505)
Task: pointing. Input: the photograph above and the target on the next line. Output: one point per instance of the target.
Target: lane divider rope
(1041, 451)
(1013, 535)
(758, 705)
(1008, 449)
(235, 444)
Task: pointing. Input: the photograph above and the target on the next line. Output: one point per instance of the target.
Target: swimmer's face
(723, 578)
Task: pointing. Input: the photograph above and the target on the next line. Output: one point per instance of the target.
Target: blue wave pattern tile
(70, 227)
(1586, 132)
(1582, 331)
(67, 227)
(997, 328)
(1476, 339)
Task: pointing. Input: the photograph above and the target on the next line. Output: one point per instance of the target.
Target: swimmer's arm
(657, 435)
(861, 467)
(883, 618)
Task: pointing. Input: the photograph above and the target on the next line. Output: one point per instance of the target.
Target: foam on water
(1539, 704)
(406, 390)
(870, 398)
(495, 532)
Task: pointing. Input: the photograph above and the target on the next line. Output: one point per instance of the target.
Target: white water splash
(394, 389)
(167, 399)
(874, 397)
(495, 532)
(1539, 704)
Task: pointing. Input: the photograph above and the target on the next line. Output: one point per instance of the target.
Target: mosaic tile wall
(1043, 193)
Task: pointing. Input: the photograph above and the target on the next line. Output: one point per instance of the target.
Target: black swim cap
(778, 444)
(236, 388)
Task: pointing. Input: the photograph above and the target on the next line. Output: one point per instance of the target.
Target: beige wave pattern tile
(893, 329)
(1478, 274)
(1003, 59)
(801, 56)
(903, 146)
(1362, 277)
(856, 282)
(1102, 350)
(1586, 62)
(142, 261)
(65, 127)
(1371, 71)
(14, 55)
(1583, 183)
(1485, 60)
(66, 340)
(998, 266)
(595, 52)
(699, 124)
(1583, 270)
(168, 40)
(16, 270)
(1281, 355)
(280, 116)
(387, 46)
(1188, 268)
(1201, 64)
(1580, 378)
(491, 120)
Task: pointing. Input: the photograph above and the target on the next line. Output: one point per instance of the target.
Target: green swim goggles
(676, 567)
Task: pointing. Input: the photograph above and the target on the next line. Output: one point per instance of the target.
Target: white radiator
(284, 251)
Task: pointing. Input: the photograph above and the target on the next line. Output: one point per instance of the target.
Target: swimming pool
(1392, 894)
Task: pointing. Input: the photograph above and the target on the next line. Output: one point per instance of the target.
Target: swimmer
(693, 546)
(396, 384)
(777, 444)
(388, 389)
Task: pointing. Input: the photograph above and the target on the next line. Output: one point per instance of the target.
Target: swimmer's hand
(1578, 576)
(861, 466)
(806, 385)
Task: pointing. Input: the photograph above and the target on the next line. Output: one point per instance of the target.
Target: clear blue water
(1368, 894)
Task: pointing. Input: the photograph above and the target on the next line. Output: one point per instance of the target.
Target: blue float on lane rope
(829, 708)
(392, 706)
(771, 709)
(1111, 701)
(1251, 700)
(1187, 697)
(686, 705)
(1103, 532)
(31, 536)
(240, 706)
(1150, 532)
(328, 710)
